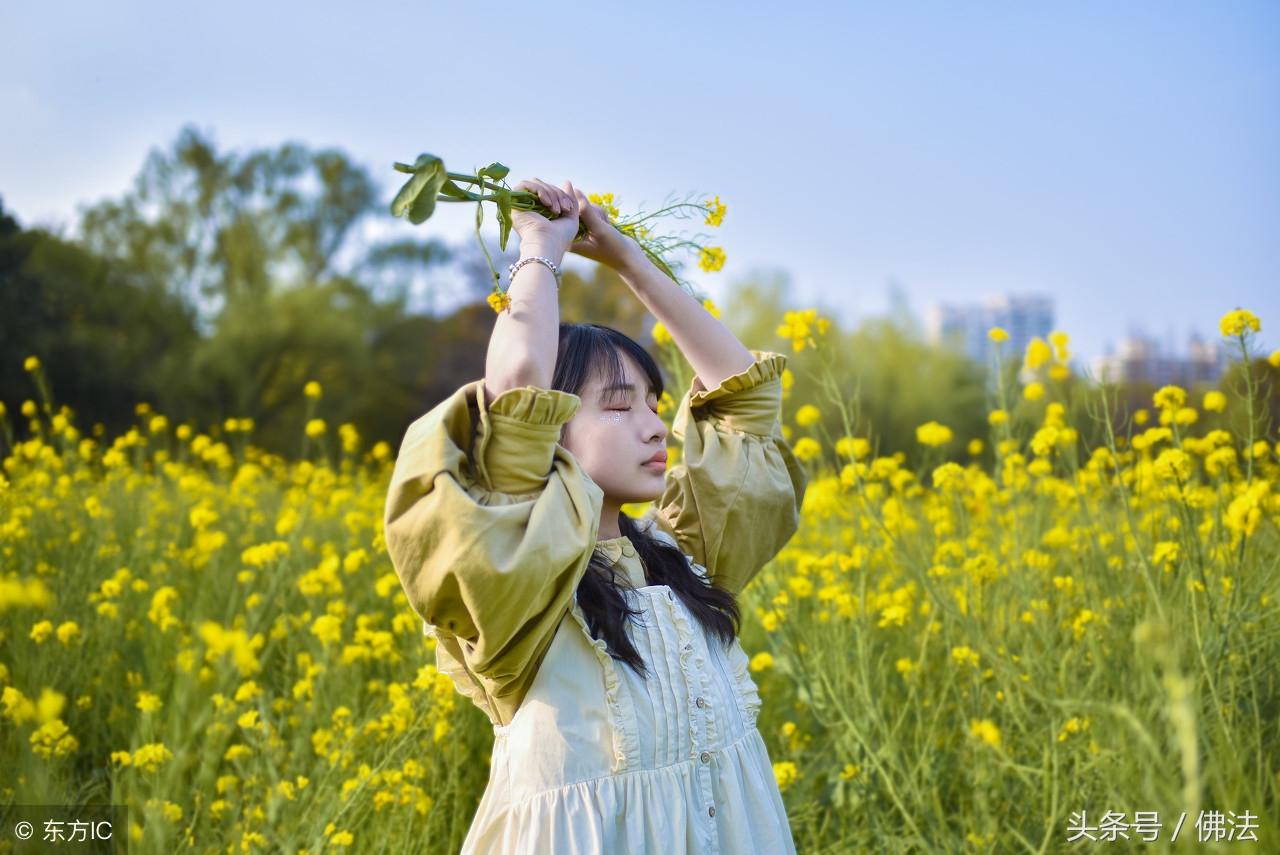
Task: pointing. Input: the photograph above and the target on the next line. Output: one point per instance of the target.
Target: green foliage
(106, 340)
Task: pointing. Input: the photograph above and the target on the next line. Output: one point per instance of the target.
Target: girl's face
(615, 435)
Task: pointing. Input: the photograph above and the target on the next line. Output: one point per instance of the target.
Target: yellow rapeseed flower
(1038, 353)
(31, 363)
(68, 631)
(786, 774)
(1033, 391)
(1214, 401)
(853, 447)
(800, 326)
(997, 334)
(312, 389)
(933, 434)
(1173, 464)
(716, 210)
(498, 300)
(604, 200)
(712, 259)
(149, 757)
(315, 428)
(53, 739)
(1238, 322)
(808, 415)
(807, 448)
(1169, 397)
(986, 731)
(660, 334)
(149, 702)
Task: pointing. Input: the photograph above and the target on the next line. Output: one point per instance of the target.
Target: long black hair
(583, 350)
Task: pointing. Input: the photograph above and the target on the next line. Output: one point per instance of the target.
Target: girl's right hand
(548, 236)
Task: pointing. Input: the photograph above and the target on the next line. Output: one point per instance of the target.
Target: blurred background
(194, 198)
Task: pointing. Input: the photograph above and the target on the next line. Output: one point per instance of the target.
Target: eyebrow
(628, 388)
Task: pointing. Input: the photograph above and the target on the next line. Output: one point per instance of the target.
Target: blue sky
(1124, 158)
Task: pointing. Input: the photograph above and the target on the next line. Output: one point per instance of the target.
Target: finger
(547, 195)
(587, 208)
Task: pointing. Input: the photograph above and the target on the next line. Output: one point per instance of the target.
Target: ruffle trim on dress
(535, 406)
(747, 691)
(626, 742)
(768, 366)
(691, 654)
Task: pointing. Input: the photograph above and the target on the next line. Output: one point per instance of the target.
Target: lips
(658, 457)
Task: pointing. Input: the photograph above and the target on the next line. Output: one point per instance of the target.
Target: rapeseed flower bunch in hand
(430, 183)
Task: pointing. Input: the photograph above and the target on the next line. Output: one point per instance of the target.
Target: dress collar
(620, 551)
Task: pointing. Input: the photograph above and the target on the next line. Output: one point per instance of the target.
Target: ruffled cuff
(749, 401)
(517, 436)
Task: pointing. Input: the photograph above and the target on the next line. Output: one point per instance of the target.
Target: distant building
(965, 326)
(1139, 358)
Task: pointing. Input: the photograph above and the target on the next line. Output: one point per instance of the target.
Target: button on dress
(490, 524)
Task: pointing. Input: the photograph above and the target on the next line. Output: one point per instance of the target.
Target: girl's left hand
(603, 242)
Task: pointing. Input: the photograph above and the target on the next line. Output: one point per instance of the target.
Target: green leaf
(418, 195)
(504, 216)
(496, 171)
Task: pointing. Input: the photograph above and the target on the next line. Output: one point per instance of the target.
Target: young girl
(603, 649)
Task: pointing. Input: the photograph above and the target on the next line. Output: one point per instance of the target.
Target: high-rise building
(1139, 357)
(1022, 316)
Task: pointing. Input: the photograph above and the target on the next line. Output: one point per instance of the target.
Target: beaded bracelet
(512, 268)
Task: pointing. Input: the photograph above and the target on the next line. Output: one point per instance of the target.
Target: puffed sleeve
(734, 498)
(490, 524)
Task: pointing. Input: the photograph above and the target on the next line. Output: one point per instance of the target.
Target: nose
(658, 428)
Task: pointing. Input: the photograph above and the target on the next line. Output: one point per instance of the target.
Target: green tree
(104, 339)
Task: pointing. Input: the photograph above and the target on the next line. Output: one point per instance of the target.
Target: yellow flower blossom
(711, 259)
(1239, 322)
(985, 730)
(786, 774)
(498, 300)
(853, 447)
(807, 448)
(808, 415)
(716, 210)
(1214, 401)
(1038, 353)
(933, 434)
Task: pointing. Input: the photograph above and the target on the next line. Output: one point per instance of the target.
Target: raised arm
(522, 347)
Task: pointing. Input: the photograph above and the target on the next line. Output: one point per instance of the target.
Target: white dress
(599, 760)
(491, 524)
